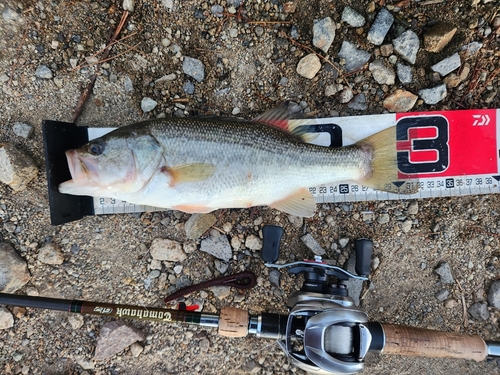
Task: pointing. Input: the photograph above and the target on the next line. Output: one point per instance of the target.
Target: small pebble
(42, 71)
(309, 66)
(193, 68)
(148, 104)
(22, 130)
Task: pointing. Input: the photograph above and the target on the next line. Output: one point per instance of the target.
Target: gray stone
(217, 10)
(354, 58)
(413, 208)
(127, 84)
(75, 321)
(493, 294)
(380, 27)
(359, 103)
(42, 71)
(323, 33)
(400, 101)
(331, 90)
(345, 96)
(22, 130)
(188, 88)
(166, 78)
(274, 277)
(472, 48)
(253, 242)
(193, 68)
(136, 349)
(9, 14)
(406, 226)
(221, 266)
(444, 272)
(479, 311)
(296, 221)
(309, 66)
(404, 73)
(407, 45)
(448, 65)
(198, 224)
(13, 271)
(218, 246)
(6, 318)
(50, 254)
(442, 295)
(354, 286)
(383, 74)
(352, 18)
(165, 249)
(312, 244)
(383, 218)
(148, 104)
(343, 242)
(433, 95)
(221, 292)
(114, 337)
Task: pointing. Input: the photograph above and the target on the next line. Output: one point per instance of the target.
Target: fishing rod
(324, 332)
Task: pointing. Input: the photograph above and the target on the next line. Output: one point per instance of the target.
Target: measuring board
(445, 153)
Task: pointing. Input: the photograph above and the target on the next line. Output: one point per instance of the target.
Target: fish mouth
(81, 173)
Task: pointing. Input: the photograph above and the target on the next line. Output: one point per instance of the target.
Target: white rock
(165, 249)
(6, 318)
(309, 66)
(50, 254)
(148, 104)
(433, 95)
(16, 168)
(253, 242)
(448, 65)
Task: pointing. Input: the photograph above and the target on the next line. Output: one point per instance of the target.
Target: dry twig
(88, 89)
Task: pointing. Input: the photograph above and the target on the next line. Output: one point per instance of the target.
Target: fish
(201, 164)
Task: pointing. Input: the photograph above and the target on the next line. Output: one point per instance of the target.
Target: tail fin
(384, 174)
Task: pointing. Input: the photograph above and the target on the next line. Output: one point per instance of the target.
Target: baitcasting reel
(325, 332)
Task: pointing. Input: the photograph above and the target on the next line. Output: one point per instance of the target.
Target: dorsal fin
(279, 116)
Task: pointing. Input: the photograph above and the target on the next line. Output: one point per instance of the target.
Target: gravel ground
(219, 58)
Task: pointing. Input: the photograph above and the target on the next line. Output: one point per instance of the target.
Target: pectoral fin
(301, 203)
(189, 172)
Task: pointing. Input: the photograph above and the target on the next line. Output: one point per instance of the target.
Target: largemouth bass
(198, 165)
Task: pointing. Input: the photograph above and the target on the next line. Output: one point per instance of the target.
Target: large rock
(13, 269)
(407, 45)
(434, 94)
(380, 27)
(309, 66)
(438, 36)
(400, 101)
(218, 246)
(382, 73)
(323, 33)
(165, 249)
(116, 336)
(16, 168)
(193, 68)
(198, 224)
(354, 58)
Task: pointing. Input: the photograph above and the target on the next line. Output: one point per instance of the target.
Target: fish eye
(96, 148)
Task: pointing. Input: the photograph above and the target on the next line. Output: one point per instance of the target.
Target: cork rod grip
(233, 322)
(418, 342)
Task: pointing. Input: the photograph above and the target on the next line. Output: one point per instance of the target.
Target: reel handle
(364, 251)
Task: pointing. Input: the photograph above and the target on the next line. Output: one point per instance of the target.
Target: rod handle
(233, 322)
(419, 342)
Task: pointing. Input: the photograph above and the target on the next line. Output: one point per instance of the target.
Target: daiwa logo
(103, 310)
(422, 144)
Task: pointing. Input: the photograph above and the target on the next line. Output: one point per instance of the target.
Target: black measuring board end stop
(271, 235)
(57, 138)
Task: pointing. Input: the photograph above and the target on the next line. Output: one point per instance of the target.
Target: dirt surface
(106, 258)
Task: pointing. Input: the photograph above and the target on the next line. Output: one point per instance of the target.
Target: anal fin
(301, 203)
